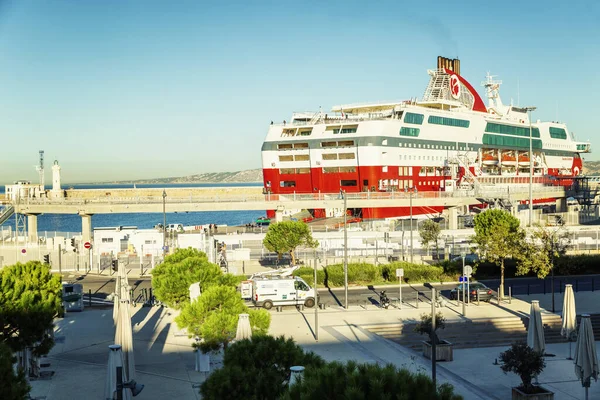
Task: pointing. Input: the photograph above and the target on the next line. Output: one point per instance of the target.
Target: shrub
(257, 369)
(419, 273)
(308, 274)
(366, 381)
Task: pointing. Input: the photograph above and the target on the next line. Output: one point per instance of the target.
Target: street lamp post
(529, 110)
(345, 251)
(164, 196)
(463, 254)
(411, 226)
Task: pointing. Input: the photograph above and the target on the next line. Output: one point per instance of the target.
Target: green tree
(172, 278)
(498, 237)
(14, 385)
(286, 236)
(213, 317)
(543, 247)
(257, 369)
(424, 326)
(366, 381)
(430, 234)
(30, 299)
(524, 362)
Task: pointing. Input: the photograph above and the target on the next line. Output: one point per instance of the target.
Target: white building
(23, 190)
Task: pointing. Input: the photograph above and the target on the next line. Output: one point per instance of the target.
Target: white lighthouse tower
(56, 190)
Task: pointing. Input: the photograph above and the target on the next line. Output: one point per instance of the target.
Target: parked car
(485, 293)
(469, 258)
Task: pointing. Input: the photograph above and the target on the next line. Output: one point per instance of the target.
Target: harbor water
(72, 222)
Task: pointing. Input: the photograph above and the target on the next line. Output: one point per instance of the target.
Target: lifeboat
(509, 159)
(524, 160)
(488, 158)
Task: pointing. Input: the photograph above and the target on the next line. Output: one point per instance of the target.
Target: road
(101, 286)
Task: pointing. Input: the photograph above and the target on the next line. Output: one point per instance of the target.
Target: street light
(345, 251)
(411, 225)
(463, 254)
(164, 196)
(529, 110)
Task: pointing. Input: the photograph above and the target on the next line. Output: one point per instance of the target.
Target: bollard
(510, 295)
(90, 298)
(498, 296)
(477, 296)
(576, 285)
(417, 301)
(528, 291)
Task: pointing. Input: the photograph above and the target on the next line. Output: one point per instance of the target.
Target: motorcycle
(384, 301)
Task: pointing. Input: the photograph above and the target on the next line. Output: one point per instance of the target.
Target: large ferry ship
(447, 141)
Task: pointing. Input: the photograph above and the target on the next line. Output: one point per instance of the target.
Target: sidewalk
(165, 360)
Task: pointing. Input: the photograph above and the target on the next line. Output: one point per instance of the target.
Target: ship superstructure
(447, 141)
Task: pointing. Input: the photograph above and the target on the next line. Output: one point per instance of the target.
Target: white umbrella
(243, 328)
(569, 318)
(124, 337)
(115, 359)
(535, 330)
(586, 359)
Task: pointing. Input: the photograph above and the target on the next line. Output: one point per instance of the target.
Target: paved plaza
(165, 360)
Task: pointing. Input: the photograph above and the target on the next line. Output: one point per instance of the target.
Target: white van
(175, 228)
(281, 291)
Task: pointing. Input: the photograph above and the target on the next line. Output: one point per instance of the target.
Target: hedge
(365, 273)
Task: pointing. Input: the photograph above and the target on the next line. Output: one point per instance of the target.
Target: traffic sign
(399, 272)
(468, 270)
(23, 251)
(87, 245)
(462, 278)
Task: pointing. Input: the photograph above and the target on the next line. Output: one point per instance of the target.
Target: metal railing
(483, 191)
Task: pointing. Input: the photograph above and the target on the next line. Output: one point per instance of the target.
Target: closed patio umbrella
(586, 359)
(243, 328)
(124, 337)
(115, 359)
(569, 317)
(535, 330)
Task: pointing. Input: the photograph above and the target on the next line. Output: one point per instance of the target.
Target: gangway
(6, 213)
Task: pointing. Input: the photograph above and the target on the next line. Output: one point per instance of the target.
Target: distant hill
(591, 167)
(249, 176)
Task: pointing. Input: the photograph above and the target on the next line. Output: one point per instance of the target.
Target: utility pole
(164, 196)
(316, 301)
(411, 227)
(432, 337)
(529, 110)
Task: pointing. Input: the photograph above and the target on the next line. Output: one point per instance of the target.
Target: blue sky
(138, 89)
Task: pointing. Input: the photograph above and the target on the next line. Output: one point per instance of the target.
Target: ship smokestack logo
(454, 87)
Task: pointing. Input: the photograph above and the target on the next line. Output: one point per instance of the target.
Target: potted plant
(443, 350)
(527, 364)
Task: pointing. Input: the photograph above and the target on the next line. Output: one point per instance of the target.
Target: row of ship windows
(326, 170)
(417, 119)
(341, 143)
(305, 157)
(401, 183)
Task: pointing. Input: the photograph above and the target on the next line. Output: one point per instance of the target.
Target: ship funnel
(451, 64)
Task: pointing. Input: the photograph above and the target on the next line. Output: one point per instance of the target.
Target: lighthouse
(56, 190)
